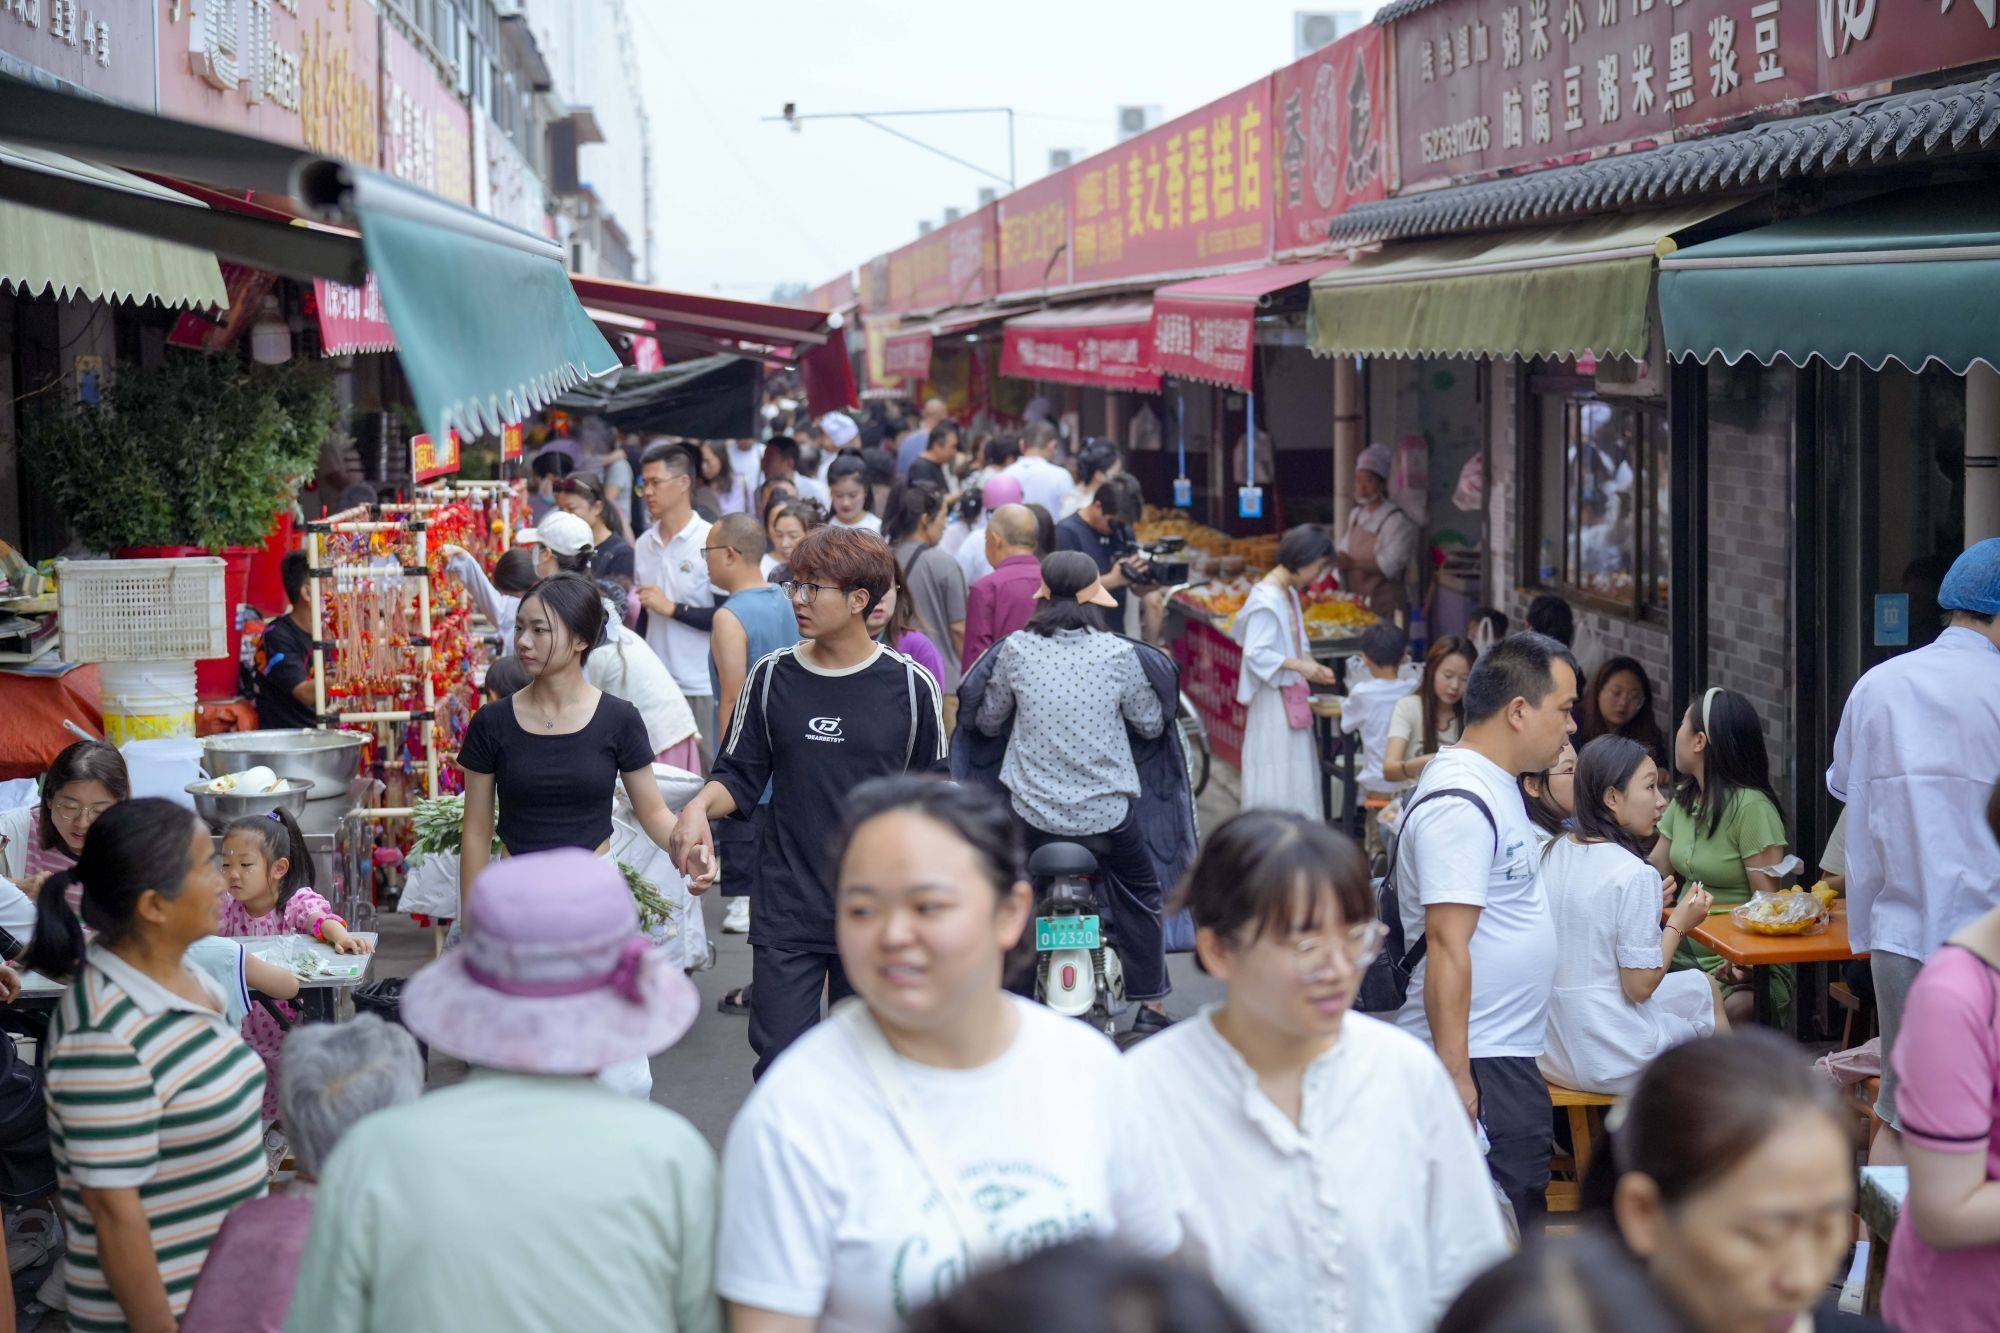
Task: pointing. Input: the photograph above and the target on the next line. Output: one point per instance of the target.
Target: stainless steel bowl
(324, 760)
(220, 808)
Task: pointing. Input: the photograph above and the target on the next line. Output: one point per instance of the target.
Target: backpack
(1385, 987)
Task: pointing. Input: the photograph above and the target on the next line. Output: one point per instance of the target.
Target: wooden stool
(1585, 1111)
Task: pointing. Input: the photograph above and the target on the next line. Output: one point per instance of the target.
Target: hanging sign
(430, 460)
(510, 441)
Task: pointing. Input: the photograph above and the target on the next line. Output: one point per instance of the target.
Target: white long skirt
(1280, 762)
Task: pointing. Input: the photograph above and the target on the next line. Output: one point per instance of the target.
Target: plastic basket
(142, 610)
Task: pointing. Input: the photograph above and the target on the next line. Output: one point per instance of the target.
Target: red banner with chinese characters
(1205, 330)
(1493, 85)
(646, 353)
(907, 356)
(1190, 195)
(510, 441)
(950, 266)
(1105, 347)
(1211, 663)
(1034, 235)
(430, 460)
(351, 318)
(1330, 141)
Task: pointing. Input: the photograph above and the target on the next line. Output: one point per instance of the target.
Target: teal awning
(487, 324)
(1909, 277)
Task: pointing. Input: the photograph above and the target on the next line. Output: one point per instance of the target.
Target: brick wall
(1749, 557)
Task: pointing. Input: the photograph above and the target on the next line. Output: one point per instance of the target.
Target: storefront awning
(1910, 277)
(1107, 346)
(487, 324)
(1204, 330)
(713, 398)
(715, 320)
(42, 251)
(1559, 292)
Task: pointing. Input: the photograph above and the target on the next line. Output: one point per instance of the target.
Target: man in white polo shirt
(1467, 884)
(670, 579)
(1043, 482)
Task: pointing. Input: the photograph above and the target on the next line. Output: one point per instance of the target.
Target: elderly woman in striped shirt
(154, 1099)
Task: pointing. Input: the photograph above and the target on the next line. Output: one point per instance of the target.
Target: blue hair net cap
(1974, 581)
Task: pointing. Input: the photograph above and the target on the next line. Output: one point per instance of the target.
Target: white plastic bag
(431, 888)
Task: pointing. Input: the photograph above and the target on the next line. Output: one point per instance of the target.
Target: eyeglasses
(68, 807)
(711, 550)
(793, 589)
(648, 483)
(1313, 955)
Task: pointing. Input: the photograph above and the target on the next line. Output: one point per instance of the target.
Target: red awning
(907, 356)
(1108, 346)
(1204, 330)
(711, 320)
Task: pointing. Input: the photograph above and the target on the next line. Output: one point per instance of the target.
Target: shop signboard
(213, 330)
(430, 459)
(294, 71)
(1114, 354)
(907, 356)
(510, 442)
(103, 47)
(351, 319)
(504, 185)
(426, 130)
(1034, 235)
(1211, 662)
(950, 266)
(1188, 196)
(1330, 137)
(646, 354)
(1484, 86)
(838, 294)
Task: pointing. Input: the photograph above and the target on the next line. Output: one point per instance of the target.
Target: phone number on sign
(1471, 135)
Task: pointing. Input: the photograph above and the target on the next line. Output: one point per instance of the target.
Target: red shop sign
(1206, 329)
(430, 460)
(510, 441)
(1106, 347)
(1034, 235)
(426, 130)
(1192, 194)
(950, 266)
(351, 318)
(1330, 140)
(907, 356)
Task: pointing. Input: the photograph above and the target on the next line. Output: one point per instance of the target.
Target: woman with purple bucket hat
(530, 1196)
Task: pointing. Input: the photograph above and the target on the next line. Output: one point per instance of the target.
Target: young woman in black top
(552, 754)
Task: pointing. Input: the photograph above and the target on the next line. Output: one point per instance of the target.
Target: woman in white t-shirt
(1335, 1178)
(1433, 716)
(847, 483)
(1615, 1004)
(937, 1117)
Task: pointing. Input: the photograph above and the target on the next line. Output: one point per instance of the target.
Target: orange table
(1757, 952)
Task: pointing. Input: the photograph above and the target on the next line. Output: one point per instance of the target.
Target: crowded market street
(693, 668)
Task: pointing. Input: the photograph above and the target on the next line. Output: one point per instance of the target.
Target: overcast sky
(742, 205)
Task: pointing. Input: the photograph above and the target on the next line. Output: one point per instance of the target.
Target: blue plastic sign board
(1250, 502)
(1892, 619)
(1183, 493)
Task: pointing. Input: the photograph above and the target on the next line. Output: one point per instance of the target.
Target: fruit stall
(1201, 618)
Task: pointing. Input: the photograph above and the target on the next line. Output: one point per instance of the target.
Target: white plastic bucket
(147, 700)
(164, 766)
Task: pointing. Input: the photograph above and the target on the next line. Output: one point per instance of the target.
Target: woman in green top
(1723, 830)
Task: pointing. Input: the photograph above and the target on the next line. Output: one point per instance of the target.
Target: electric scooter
(1076, 973)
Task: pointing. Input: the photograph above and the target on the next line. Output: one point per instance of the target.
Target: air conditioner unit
(924, 227)
(1136, 120)
(952, 215)
(1060, 158)
(987, 194)
(1313, 29)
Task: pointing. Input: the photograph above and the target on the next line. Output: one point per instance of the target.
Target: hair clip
(275, 815)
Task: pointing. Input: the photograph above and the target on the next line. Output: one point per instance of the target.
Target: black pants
(27, 1170)
(1514, 1106)
(1131, 894)
(785, 986)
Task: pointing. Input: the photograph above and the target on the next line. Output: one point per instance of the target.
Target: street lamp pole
(793, 118)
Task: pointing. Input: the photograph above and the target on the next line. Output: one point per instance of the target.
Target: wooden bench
(1585, 1112)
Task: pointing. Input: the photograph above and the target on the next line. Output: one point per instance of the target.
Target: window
(1595, 507)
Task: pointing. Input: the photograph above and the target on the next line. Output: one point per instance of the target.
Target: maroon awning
(1204, 330)
(1103, 346)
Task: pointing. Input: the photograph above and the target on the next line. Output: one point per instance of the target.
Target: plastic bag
(1787, 912)
(431, 888)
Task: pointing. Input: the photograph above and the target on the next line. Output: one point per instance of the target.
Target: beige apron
(1362, 576)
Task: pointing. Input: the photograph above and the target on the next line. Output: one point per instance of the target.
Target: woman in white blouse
(1335, 1178)
(936, 1123)
(1615, 1004)
(1280, 761)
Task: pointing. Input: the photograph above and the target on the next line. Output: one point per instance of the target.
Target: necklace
(549, 719)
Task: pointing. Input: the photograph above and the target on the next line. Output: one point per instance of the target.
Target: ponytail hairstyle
(279, 837)
(134, 847)
(1736, 759)
(1606, 763)
(85, 761)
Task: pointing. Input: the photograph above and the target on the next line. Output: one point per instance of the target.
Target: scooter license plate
(1066, 932)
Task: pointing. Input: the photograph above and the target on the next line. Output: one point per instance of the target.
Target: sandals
(734, 1002)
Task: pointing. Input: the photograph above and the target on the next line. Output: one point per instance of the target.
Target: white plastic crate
(142, 610)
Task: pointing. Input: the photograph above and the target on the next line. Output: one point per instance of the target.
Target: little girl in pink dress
(269, 873)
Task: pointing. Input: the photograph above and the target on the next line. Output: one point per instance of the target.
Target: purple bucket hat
(552, 976)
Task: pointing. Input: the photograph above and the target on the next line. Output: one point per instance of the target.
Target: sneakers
(1148, 1021)
(736, 918)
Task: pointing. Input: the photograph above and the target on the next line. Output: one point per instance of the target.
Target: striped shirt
(153, 1092)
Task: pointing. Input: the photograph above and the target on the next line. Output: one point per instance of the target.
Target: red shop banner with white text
(1035, 253)
(351, 319)
(1331, 138)
(1189, 195)
(430, 459)
(1111, 351)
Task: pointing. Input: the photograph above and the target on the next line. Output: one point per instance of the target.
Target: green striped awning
(1556, 292)
(1909, 277)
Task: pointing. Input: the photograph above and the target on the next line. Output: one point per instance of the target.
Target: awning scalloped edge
(1800, 363)
(485, 416)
